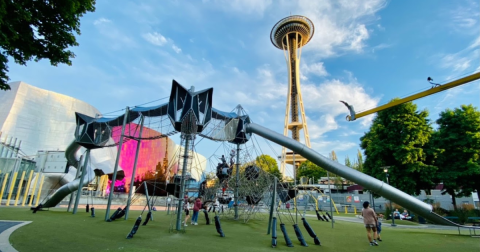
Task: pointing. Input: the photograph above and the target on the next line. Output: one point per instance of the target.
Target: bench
(474, 220)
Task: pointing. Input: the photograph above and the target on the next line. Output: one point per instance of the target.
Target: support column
(182, 186)
(80, 185)
(237, 180)
(331, 200)
(7, 149)
(19, 188)
(296, 189)
(2, 145)
(18, 148)
(76, 176)
(12, 149)
(115, 169)
(27, 187)
(148, 199)
(130, 191)
(272, 206)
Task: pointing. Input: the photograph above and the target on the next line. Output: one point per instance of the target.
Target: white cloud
(315, 68)
(459, 62)
(325, 147)
(325, 98)
(341, 26)
(155, 38)
(464, 18)
(176, 49)
(356, 40)
(318, 127)
(117, 39)
(381, 46)
(101, 21)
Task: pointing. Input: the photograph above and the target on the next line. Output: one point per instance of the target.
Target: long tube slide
(373, 184)
(70, 187)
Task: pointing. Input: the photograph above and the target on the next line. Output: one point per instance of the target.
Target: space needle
(290, 35)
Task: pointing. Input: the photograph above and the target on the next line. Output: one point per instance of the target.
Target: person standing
(379, 226)
(196, 208)
(186, 208)
(370, 221)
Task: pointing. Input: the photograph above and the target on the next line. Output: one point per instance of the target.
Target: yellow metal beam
(10, 190)
(431, 91)
(39, 193)
(5, 179)
(27, 188)
(19, 190)
(35, 181)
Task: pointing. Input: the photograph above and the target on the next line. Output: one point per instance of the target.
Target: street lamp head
(385, 170)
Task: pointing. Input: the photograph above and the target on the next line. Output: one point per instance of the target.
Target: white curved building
(42, 119)
(45, 120)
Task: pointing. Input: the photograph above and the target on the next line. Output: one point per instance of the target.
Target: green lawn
(57, 230)
(400, 222)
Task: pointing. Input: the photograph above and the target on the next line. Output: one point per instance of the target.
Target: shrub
(463, 212)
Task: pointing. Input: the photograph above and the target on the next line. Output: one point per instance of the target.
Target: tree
(397, 139)
(38, 30)
(311, 170)
(348, 162)
(269, 164)
(458, 139)
(359, 163)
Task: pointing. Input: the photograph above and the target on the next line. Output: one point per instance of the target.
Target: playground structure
(238, 129)
(191, 113)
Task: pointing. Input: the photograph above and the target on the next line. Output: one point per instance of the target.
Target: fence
(350, 202)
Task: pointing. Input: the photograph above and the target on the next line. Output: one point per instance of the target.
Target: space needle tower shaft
(290, 35)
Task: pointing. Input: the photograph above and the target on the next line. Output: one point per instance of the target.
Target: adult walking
(370, 221)
(196, 208)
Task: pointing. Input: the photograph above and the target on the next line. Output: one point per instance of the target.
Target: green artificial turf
(400, 222)
(58, 230)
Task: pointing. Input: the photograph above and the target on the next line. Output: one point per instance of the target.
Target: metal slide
(70, 187)
(379, 187)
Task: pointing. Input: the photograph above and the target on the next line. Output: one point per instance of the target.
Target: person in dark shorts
(370, 221)
(186, 208)
(379, 226)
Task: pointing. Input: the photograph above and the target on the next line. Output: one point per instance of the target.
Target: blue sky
(364, 52)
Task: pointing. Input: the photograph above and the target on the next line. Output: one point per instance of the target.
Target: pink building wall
(151, 153)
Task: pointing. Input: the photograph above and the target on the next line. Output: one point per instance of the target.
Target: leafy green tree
(359, 163)
(38, 30)
(458, 139)
(311, 170)
(269, 164)
(349, 163)
(337, 179)
(397, 139)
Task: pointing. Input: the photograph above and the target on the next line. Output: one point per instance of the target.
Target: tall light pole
(385, 169)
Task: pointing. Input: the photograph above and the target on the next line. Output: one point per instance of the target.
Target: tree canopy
(269, 164)
(397, 138)
(458, 139)
(42, 29)
(356, 164)
(311, 170)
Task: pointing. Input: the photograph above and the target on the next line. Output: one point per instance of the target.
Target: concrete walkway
(6, 229)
